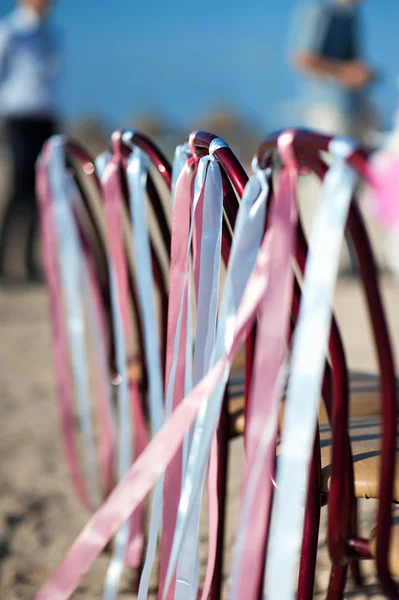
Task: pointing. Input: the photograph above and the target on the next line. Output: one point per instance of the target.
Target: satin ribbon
(265, 395)
(247, 237)
(92, 305)
(308, 359)
(70, 258)
(101, 162)
(129, 401)
(214, 464)
(59, 336)
(151, 464)
(183, 229)
(99, 334)
(79, 285)
(209, 256)
(137, 177)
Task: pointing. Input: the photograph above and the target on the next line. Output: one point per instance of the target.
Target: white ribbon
(72, 275)
(308, 358)
(182, 153)
(248, 234)
(101, 162)
(137, 177)
(208, 292)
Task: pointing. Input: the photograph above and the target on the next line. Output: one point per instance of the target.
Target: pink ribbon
(60, 342)
(178, 293)
(113, 218)
(263, 408)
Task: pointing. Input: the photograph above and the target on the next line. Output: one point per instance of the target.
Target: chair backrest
(163, 167)
(88, 217)
(90, 220)
(308, 147)
(234, 182)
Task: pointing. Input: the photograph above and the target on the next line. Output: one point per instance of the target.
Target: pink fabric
(383, 175)
(212, 476)
(178, 287)
(112, 194)
(263, 408)
(143, 474)
(60, 342)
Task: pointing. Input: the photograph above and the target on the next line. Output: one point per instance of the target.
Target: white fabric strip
(308, 358)
(101, 162)
(137, 178)
(248, 234)
(182, 153)
(99, 348)
(71, 266)
(208, 291)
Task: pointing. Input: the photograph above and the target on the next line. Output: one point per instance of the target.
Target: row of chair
(355, 446)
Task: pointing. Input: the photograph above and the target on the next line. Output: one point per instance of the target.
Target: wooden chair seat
(365, 438)
(393, 547)
(364, 400)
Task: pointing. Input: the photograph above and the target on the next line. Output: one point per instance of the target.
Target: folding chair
(344, 545)
(370, 471)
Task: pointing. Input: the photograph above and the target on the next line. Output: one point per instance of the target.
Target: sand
(39, 513)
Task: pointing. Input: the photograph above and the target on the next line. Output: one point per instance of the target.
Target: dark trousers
(25, 137)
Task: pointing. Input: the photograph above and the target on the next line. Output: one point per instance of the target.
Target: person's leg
(17, 208)
(26, 138)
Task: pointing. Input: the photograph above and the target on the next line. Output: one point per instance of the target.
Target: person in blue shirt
(335, 77)
(30, 68)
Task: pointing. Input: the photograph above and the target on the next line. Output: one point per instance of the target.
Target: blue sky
(182, 58)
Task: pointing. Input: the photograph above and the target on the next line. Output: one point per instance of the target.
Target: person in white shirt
(30, 69)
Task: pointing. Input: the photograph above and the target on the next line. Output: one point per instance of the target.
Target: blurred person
(328, 54)
(29, 101)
